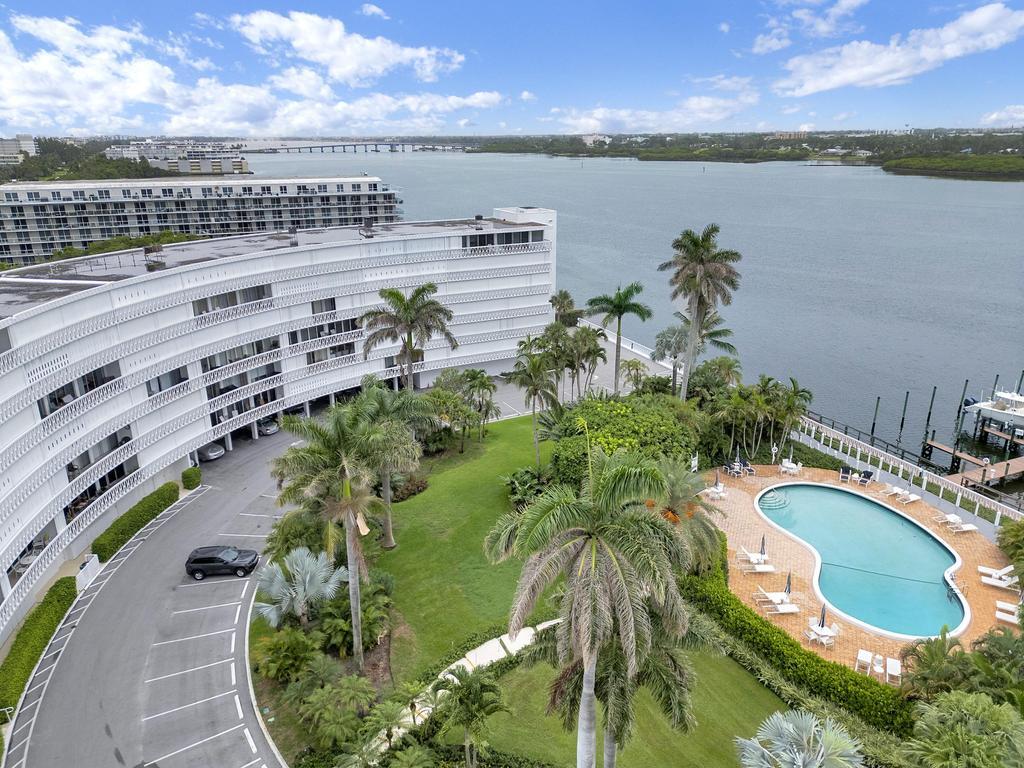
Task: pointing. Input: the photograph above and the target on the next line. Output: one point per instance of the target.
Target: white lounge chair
(1002, 605)
(891, 490)
(909, 498)
(782, 608)
(1012, 582)
(1008, 612)
(947, 519)
(742, 553)
(760, 596)
(893, 671)
(1000, 573)
(863, 658)
(963, 527)
(757, 568)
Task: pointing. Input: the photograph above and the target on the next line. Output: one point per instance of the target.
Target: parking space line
(232, 644)
(251, 763)
(196, 669)
(238, 706)
(245, 588)
(246, 535)
(210, 582)
(196, 637)
(169, 755)
(34, 687)
(204, 608)
(253, 514)
(16, 746)
(248, 737)
(194, 703)
(238, 611)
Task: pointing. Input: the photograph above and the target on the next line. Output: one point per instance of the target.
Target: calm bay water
(856, 282)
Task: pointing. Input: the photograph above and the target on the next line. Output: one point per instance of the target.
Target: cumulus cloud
(691, 113)
(725, 83)
(866, 64)
(775, 39)
(832, 22)
(805, 127)
(348, 58)
(842, 117)
(790, 109)
(1012, 114)
(724, 27)
(74, 79)
(369, 9)
(528, 96)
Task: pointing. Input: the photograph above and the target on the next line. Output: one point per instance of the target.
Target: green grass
(289, 733)
(728, 702)
(444, 587)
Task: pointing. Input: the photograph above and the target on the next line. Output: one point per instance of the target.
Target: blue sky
(416, 67)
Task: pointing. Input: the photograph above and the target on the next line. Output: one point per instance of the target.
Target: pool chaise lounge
(1008, 612)
(997, 573)
(744, 554)
(963, 527)
(783, 608)
(757, 568)
(1012, 582)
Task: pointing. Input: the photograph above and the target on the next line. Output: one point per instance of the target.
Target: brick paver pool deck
(744, 526)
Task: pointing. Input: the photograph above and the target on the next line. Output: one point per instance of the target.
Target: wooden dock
(1003, 436)
(959, 454)
(1009, 470)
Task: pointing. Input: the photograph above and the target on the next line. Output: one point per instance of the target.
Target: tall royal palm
(411, 320)
(614, 556)
(388, 422)
(533, 375)
(328, 466)
(615, 307)
(705, 275)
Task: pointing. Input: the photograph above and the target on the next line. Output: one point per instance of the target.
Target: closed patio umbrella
(764, 545)
(737, 454)
(821, 619)
(790, 453)
(718, 478)
(789, 583)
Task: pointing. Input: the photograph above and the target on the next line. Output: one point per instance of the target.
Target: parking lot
(149, 670)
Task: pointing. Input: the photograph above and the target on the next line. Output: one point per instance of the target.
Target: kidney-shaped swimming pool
(877, 566)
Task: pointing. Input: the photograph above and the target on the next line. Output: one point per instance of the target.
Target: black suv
(210, 561)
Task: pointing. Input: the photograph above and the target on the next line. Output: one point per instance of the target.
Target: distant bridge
(345, 146)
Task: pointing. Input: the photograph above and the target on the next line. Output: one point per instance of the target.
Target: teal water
(876, 566)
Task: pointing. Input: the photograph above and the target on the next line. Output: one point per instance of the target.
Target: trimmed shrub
(191, 478)
(32, 638)
(410, 487)
(131, 522)
(879, 705)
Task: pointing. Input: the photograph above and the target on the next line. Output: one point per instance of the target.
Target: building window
(126, 193)
(33, 196)
(103, 194)
(11, 196)
(166, 381)
(75, 195)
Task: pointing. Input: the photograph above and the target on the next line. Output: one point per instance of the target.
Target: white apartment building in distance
(187, 157)
(11, 149)
(38, 218)
(116, 368)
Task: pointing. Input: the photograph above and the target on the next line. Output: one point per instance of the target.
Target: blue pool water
(876, 566)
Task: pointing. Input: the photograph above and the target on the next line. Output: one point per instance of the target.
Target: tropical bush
(525, 484)
(799, 738)
(409, 487)
(1011, 541)
(877, 704)
(966, 730)
(285, 655)
(654, 385)
(131, 522)
(32, 638)
(191, 478)
(335, 624)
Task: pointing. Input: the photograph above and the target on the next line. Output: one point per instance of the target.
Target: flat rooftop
(178, 181)
(27, 287)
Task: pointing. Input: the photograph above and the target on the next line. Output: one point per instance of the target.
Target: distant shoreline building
(11, 149)
(116, 369)
(38, 218)
(214, 158)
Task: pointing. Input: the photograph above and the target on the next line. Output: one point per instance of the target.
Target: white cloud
(791, 109)
(725, 82)
(830, 23)
(206, 20)
(806, 127)
(842, 117)
(349, 58)
(724, 27)
(527, 96)
(369, 9)
(502, 124)
(464, 122)
(775, 39)
(691, 113)
(77, 80)
(866, 64)
(1009, 115)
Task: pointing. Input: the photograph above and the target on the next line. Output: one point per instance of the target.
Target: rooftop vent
(479, 217)
(367, 229)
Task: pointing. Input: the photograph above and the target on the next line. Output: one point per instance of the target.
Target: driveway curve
(148, 669)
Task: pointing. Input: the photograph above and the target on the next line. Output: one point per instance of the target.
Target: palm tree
(728, 369)
(690, 513)
(583, 352)
(792, 405)
(633, 371)
(411, 320)
(470, 697)
(413, 757)
(387, 717)
(554, 345)
(328, 466)
(798, 738)
(710, 332)
(532, 375)
(935, 665)
(670, 344)
(354, 692)
(388, 422)
(566, 312)
(706, 276)
(965, 730)
(613, 555)
(617, 306)
(303, 582)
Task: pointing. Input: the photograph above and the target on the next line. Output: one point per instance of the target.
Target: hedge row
(191, 478)
(32, 638)
(879, 705)
(131, 522)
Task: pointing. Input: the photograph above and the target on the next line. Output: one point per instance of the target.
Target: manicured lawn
(445, 589)
(728, 702)
(288, 732)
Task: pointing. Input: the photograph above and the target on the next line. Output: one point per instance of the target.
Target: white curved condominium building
(114, 369)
